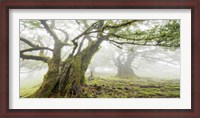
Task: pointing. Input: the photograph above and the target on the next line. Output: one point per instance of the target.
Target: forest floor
(112, 87)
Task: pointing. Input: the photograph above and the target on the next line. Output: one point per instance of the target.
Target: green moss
(48, 84)
(49, 81)
(76, 75)
(52, 66)
(112, 87)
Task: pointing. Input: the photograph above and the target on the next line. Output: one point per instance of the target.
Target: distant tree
(123, 63)
(125, 59)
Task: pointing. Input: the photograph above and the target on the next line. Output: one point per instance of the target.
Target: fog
(148, 61)
(151, 62)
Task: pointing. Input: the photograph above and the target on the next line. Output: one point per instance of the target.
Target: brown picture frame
(6, 5)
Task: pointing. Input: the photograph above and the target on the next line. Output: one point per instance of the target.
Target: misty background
(148, 61)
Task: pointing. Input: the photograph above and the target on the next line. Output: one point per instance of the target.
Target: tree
(130, 58)
(65, 78)
(123, 63)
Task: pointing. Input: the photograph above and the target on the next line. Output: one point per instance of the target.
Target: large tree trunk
(73, 72)
(51, 77)
(49, 81)
(125, 71)
(123, 63)
(66, 79)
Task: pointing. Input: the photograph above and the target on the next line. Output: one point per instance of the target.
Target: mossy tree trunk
(64, 79)
(51, 77)
(73, 71)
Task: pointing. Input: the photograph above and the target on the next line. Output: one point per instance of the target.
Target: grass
(27, 91)
(29, 86)
(112, 87)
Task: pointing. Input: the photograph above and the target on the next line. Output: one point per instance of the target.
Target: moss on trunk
(71, 78)
(66, 78)
(49, 81)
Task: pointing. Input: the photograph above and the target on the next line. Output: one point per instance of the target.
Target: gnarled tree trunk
(51, 77)
(49, 81)
(72, 75)
(123, 63)
(66, 79)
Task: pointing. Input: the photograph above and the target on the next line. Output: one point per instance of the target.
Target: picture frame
(7, 5)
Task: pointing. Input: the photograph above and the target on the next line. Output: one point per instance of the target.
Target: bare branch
(81, 44)
(75, 42)
(66, 34)
(28, 42)
(35, 48)
(116, 45)
(52, 24)
(32, 57)
(49, 30)
(85, 32)
(79, 24)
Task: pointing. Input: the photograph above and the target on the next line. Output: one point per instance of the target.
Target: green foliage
(162, 33)
(31, 24)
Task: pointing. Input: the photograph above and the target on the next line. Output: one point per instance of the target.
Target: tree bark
(49, 81)
(51, 77)
(73, 71)
(64, 79)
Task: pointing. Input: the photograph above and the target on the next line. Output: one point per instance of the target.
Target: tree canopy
(118, 32)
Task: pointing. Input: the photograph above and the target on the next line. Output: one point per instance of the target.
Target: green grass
(112, 87)
(27, 91)
(28, 87)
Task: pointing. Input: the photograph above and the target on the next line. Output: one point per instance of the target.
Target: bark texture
(64, 79)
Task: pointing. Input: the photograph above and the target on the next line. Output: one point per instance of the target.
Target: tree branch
(116, 45)
(28, 42)
(85, 32)
(49, 30)
(35, 48)
(38, 58)
(120, 25)
(75, 42)
(134, 39)
(143, 44)
(81, 44)
(64, 32)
